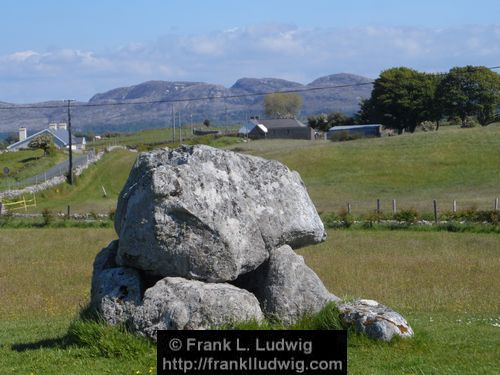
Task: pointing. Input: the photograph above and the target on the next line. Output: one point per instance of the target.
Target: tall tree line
(402, 98)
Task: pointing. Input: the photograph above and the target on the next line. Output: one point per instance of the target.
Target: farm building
(58, 132)
(276, 128)
(354, 131)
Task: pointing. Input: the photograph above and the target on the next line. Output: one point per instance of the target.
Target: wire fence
(423, 206)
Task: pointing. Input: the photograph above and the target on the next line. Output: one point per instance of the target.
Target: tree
(470, 91)
(282, 105)
(338, 118)
(319, 122)
(399, 99)
(206, 122)
(434, 108)
(43, 142)
(12, 138)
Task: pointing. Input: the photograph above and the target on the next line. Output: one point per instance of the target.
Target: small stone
(375, 320)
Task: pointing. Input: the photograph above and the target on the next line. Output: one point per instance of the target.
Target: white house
(58, 132)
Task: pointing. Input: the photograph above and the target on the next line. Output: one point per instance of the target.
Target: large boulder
(177, 303)
(286, 287)
(208, 214)
(373, 319)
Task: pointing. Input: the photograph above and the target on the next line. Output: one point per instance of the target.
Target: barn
(287, 128)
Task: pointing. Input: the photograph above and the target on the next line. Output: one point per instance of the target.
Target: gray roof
(247, 128)
(349, 127)
(279, 123)
(60, 135)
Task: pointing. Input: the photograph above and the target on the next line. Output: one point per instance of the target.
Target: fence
(432, 206)
(18, 205)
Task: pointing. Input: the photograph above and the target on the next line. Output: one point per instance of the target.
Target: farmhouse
(58, 132)
(277, 128)
(347, 131)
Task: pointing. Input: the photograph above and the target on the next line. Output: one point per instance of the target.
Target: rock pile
(205, 239)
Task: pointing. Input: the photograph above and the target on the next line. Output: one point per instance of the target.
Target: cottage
(58, 132)
(354, 131)
(276, 128)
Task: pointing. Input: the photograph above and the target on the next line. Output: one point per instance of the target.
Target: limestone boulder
(286, 287)
(373, 319)
(208, 214)
(177, 303)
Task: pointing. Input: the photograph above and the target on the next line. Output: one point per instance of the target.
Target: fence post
(394, 207)
(435, 211)
(24, 202)
(349, 208)
(454, 206)
(496, 204)
(378, 206)
(68, 211)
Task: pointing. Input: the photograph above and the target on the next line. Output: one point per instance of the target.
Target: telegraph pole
(70, 171)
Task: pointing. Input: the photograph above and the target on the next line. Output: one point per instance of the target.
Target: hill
(200, 102)
(453, 163)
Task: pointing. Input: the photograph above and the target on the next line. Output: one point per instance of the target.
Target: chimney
(62, 125)
(53, 126)
(23, 134)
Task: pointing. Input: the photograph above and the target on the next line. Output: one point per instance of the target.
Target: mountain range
(121, 109)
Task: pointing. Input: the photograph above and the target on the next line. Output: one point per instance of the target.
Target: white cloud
(282, 51)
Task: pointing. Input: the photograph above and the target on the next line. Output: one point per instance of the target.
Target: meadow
(452, 164)
(24, 164)
(446, 284)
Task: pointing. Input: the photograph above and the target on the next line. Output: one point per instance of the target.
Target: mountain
(121, 109)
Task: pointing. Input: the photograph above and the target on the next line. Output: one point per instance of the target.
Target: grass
(444, 283)
(414, 169)
(452, 164)
(87, 194)
(155, 137)
(111, 173)
(24, 164)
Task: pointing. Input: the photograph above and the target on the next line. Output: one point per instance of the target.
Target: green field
(446, 284)
(87, 194)
(452, 164)
(24, 164)
(160, 136)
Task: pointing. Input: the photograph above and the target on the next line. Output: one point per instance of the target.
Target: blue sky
(74, 49)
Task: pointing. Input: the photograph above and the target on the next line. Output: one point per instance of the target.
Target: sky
(53, 50)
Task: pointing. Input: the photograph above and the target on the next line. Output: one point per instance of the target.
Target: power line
(180, 100)
(77, 105)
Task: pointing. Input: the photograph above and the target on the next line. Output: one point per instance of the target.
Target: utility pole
(180, 127)
(173, 124)
(70, 170)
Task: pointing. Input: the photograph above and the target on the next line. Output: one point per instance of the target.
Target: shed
(354, 131)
